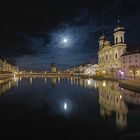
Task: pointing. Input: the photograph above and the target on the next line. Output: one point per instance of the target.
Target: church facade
(109, 55)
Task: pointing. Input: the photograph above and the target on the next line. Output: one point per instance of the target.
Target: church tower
(102, 40)
(119, 34)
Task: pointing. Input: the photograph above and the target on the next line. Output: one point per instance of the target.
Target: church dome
(119, 28)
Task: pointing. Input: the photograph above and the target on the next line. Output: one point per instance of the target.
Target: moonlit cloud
(73, 39)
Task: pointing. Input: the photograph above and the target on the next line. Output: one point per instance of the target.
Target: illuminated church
(109, 55)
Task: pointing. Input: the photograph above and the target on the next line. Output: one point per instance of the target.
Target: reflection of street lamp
(104, 71)
(104, 84)
(89, 81)
(31, 80)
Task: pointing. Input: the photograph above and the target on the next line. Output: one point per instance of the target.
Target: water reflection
(112, 99)
(54, 81)
(65, 106)
(8, 84)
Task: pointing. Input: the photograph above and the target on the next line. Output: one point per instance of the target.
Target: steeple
(119, 33)
(102, 39)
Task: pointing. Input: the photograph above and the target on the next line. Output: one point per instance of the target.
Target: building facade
(109, 56)
(1, 65)
(7, 67)
(131, 64)
(91, 69)
(53, 68)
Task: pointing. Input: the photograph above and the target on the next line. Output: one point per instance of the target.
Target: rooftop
(130, 53)
(119, 29)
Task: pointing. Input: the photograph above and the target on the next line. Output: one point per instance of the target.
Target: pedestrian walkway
(132, 84)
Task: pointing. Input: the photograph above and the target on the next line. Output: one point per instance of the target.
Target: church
(109, 55)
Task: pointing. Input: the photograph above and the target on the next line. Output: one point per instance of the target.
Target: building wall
(129, 60)
(91, 69)
(111, 58)
(6, 67)
(54, 69)
(1, 65)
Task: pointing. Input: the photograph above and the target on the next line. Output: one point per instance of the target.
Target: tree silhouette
(134, 69)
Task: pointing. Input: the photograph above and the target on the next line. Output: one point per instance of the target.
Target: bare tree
(134, 69)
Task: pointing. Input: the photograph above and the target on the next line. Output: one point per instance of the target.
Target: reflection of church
(110, 100)
(8, 85)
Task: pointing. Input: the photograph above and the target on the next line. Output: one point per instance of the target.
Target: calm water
(68, 107)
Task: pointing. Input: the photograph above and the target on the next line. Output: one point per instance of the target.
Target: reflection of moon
(65, 106)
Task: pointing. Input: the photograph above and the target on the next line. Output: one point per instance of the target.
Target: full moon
(65, 40)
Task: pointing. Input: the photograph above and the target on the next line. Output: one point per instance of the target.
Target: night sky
(33, 32)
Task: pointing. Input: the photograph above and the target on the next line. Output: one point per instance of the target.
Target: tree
(134, 69)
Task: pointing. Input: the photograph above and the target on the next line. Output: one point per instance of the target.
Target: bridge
(43, 74)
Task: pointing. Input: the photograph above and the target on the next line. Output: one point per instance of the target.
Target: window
(110, 56)
(106, 57)
(116, 40)
(124, 66)
(123, 62)
(129, 61)
(135, 55)
(116, 55)
(136, 61)
(123, 58)
(121, 39)
(130, 57)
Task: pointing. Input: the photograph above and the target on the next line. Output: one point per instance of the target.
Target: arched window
(116, 40)
(106, 57)
(121, 39)
(116, 55)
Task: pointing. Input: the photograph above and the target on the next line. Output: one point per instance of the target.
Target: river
(68, 107)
